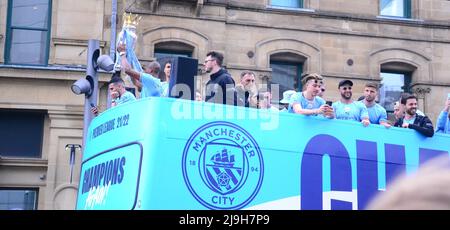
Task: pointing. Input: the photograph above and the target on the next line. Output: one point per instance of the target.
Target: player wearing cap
(346, 108)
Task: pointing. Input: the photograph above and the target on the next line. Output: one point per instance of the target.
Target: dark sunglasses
(345, 88)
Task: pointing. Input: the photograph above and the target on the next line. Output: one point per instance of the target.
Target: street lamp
(73, 148)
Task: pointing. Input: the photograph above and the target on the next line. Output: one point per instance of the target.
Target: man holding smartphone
(443, 121)
(119, 94)
(307, 102)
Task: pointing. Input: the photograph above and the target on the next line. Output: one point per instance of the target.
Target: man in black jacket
(412, 120)
(221, 87)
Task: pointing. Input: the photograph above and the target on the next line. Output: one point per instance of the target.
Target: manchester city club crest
(222, 166)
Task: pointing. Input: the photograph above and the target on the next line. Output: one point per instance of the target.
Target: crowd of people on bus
(222, 89)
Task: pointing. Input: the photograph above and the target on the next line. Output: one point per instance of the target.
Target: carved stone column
(199, 6)
(421, 92)
(154, 5)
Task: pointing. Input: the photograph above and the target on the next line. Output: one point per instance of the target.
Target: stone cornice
(348, 16)
(434, 83)
(352, 18)
(63, 73)
(237, 5)
(53, 109)
(23, 162)
(74, 42)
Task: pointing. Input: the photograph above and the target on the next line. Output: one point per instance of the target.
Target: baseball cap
(345, 82)
(287, 96)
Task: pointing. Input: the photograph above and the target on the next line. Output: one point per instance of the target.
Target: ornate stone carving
(420, 92)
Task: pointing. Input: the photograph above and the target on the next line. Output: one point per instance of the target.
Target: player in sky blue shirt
(377, 114)
(307, 102)
(443, 121)
(119, 94)
(125, 97)
(151, 85)
(346, 108)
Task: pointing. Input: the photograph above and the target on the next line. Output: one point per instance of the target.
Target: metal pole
(91, 74)
(112, 47)
(72, 148)
(71, 162)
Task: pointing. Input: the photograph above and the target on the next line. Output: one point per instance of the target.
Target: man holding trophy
(127, 61)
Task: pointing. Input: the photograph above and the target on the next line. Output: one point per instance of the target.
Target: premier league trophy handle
(128, 37)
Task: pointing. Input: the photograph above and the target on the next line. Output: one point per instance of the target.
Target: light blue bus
(165, 153)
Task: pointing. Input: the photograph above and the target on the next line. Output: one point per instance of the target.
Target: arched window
(173, 48)
(395, 79)
(287, 69)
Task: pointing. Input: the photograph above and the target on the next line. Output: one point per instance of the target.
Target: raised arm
(125, 65)
(442, 119)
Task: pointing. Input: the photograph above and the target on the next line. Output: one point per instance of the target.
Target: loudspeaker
(182, 73)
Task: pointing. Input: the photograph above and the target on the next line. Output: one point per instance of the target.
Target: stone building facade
(36, 72)
(404, 43)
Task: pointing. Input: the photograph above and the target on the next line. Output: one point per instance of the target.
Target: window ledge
(52, 72)
(394, 18)
(290, 9)
(49, 67)
(74, 42)
(76, 68)
(23, 162)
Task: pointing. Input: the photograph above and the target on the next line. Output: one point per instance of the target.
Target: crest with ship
(224, 167)
(223, 159)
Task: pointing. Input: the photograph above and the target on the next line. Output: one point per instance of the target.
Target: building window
(168, 49)
(28, 32)
(18, 199)
(22, 133)
(393, 84)
(287, 3)
(395, 8)
(287, 69)
(160, 53)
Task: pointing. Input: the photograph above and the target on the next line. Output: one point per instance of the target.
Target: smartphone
(329, 103)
